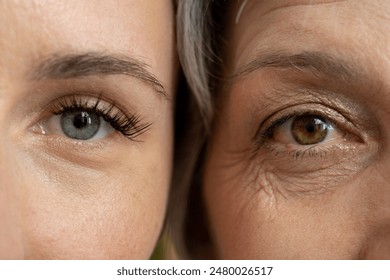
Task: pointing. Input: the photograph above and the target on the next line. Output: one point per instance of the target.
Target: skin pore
(66, 68)
(297, 167)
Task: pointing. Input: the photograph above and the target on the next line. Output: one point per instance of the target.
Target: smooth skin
(64, 198)
(269, 197)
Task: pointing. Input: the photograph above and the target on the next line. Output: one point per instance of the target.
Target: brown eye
(309, 129)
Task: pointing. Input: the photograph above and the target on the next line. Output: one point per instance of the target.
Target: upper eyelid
(122, 92)
(87, 100)
(59, 105)
(289, 89)
(278, 96)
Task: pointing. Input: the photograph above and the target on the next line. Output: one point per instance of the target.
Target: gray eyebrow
(317, 63)
(87, 64)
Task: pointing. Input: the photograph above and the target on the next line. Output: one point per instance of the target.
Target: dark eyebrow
(88, 64)
(316, 63)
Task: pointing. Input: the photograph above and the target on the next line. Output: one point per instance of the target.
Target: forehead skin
(83, 201)
(244, 225)
(137, 28)
(310, 25)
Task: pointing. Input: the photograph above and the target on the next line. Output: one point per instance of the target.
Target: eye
(87, 118)
(319, 138)
(306, 130)
(79, 124)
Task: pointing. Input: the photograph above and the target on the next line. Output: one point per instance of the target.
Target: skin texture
(63, 198)
(268, 197)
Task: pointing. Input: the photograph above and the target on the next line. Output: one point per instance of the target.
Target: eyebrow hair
(312, 62)
(87, 64)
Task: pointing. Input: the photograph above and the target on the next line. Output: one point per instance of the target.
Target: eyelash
(130, 126)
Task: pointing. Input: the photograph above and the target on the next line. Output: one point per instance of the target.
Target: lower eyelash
(130, 126)
(299, 154)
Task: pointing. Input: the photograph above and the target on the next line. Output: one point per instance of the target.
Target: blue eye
(78, 124)
(87, 118)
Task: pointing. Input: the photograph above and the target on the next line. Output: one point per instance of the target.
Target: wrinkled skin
(64, 198)
(268, 196)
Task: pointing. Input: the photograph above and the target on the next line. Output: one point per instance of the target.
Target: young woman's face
(299, 163)
(86, 90)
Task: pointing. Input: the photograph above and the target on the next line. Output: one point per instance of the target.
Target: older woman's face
(299, 163)
(86, 91)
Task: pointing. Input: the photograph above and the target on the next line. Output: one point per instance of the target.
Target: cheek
(249, 222)
(118, 222)
(252, 216)
(59, 211)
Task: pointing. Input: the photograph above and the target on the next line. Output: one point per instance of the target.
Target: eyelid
(82, 100)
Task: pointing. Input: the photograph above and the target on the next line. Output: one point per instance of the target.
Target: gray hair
(195, 51)
(198, 36)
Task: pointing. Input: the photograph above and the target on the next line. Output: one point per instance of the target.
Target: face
(298, 165)
(86, 92)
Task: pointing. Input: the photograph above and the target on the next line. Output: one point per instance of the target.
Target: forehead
(31, 29)
(343, 28)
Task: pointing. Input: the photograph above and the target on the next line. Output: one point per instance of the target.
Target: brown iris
(309, 129)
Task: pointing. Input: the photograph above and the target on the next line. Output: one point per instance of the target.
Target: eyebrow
(89, 64)
(316, 63)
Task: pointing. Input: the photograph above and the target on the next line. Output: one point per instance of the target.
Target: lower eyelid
(307, 159)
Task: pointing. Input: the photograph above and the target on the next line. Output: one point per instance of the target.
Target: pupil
(81, 120)
(310, 128)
